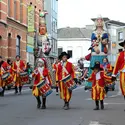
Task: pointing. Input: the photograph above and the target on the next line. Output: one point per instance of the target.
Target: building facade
(51, 19)
(13, 26)
(75, 41)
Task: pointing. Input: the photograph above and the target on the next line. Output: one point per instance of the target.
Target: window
(60, 50)
(18, 45)
(70, 52)
(120, 36)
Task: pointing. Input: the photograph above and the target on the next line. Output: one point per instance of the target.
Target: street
(21, 110)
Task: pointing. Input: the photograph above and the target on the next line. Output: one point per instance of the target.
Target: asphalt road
(21, 110)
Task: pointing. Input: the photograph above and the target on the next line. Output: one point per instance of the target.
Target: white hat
(42, 60)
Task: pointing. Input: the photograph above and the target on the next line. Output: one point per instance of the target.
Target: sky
(78, 13)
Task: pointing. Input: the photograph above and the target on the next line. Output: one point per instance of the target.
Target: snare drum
(8, 78)
(5, 76)
(68, 81)
(44, 88)
(24, 78)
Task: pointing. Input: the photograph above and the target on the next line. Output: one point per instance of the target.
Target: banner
(30, 44)
(30, 18)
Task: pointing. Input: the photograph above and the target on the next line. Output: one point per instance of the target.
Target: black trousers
(16, 89)
(106, 89)
(39, 100)
(2, 93)
(57, 89)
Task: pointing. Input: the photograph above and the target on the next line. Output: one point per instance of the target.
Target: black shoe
(97, 108)
(102, 107)
(43, 107)
(66, 106)
(38, 106)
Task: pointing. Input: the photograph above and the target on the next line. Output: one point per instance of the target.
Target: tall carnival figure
(65, 74)
(120, 67)
(99, 40)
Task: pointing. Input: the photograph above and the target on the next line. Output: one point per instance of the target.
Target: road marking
(114, 103)
(94, 123)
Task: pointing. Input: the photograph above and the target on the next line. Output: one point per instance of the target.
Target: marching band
(14, 74)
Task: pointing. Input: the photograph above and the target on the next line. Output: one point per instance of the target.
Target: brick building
(13, 26)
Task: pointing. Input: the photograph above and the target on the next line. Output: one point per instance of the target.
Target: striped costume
(98, 83)
(65, 94)
(120, 66)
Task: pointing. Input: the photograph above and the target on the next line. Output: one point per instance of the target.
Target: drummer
(3, 69)
(40, 73)
(18, 67)
(55, 65)
(64, 69)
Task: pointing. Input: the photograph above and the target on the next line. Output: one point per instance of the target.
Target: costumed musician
(64, 69)
(98, 79)
(108, 69)
(120, 67)
(41, 73)
(18, 67)
(4, 67)
(55, 66)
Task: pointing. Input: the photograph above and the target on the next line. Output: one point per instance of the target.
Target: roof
(116, 22)
(104, 18)
(74, 33)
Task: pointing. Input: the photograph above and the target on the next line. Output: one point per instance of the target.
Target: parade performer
(55, 66)
(64, 69)
(4, 67)
(120, 67)
(41, 73)
(18, 67)
(98, 79)
(108, 71)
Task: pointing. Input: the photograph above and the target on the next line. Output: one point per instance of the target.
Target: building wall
(79, 48)
(51, 19)
(13, 24)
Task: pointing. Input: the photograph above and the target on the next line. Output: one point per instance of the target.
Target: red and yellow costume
(39, 75)
(4, 68)
(120, 66)
(18, 66)
(65, 94)
(55, 66)
(98, 83)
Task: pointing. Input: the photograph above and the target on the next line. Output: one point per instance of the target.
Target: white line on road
(114, 103)
(94, 123)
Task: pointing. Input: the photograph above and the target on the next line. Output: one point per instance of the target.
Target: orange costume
(65, 94)
(18, 66)
(98, 83)
(120, 67)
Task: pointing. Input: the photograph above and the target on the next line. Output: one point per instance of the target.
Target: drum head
(5, 75)
(23, 73)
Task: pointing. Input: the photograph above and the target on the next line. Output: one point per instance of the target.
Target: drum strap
(65, 70)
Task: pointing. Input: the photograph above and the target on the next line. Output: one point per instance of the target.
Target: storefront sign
(30, 18)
